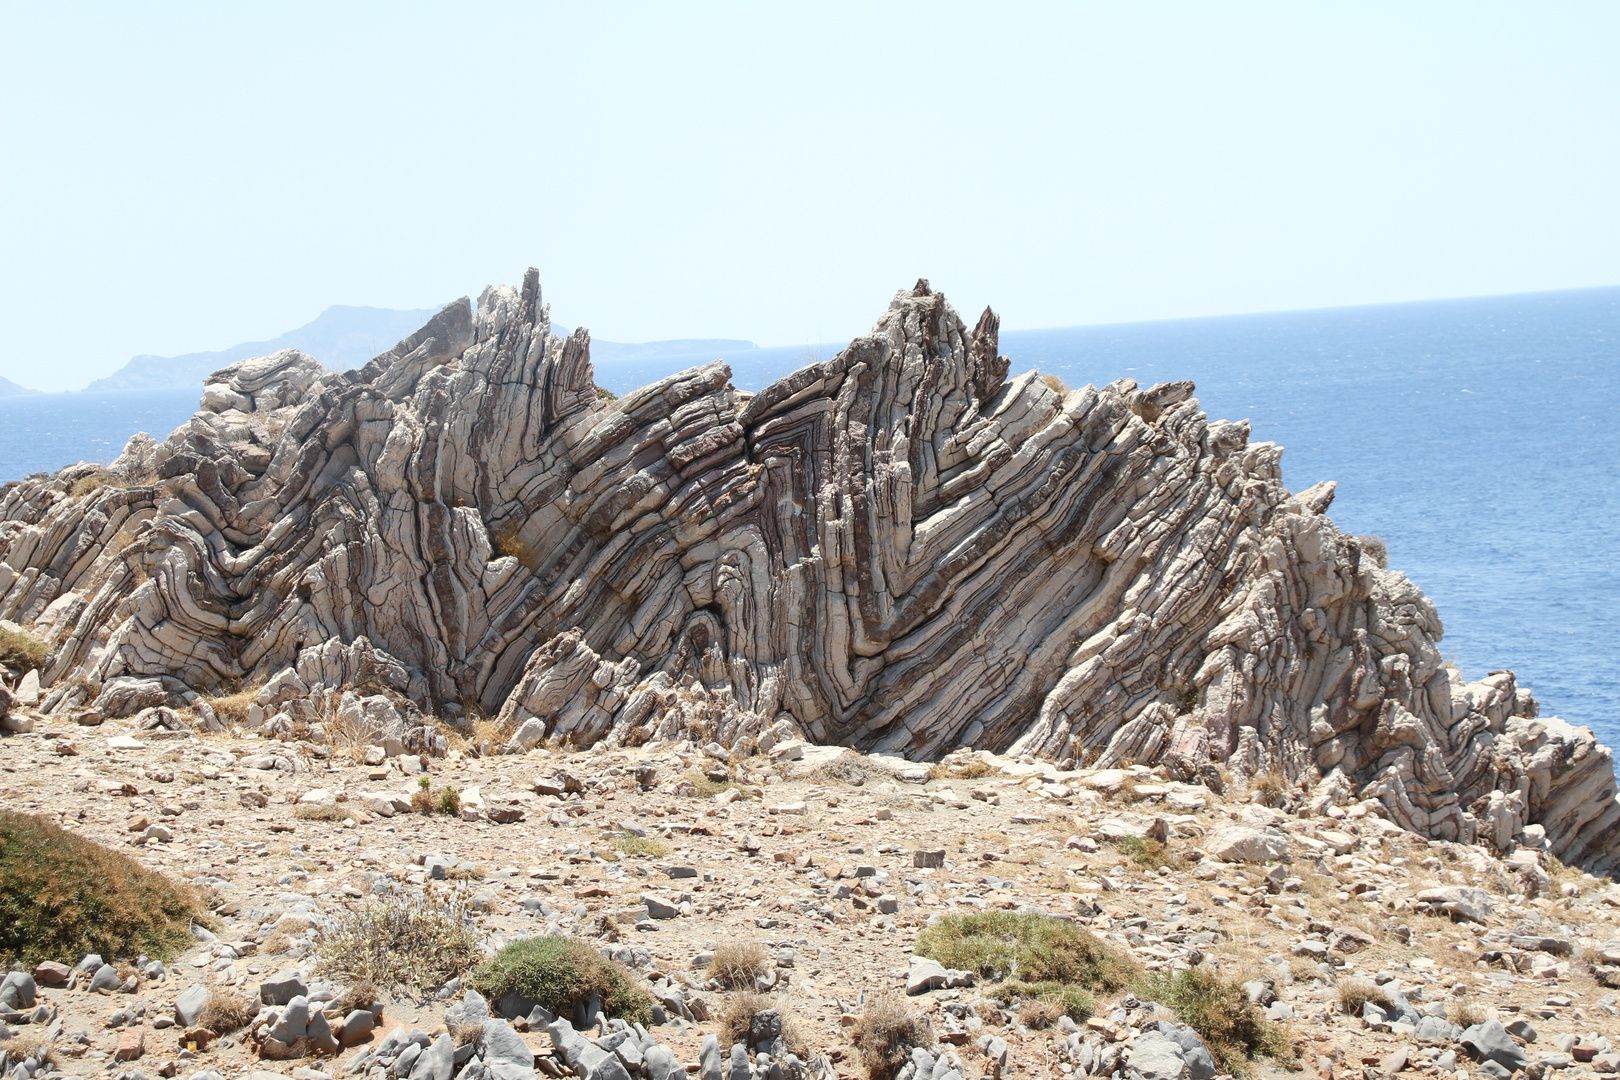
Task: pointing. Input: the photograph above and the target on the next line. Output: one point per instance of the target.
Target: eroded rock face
(898, 549)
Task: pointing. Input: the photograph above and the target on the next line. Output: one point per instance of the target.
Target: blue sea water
(1480, 438)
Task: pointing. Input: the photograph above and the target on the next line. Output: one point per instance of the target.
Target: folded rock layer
(899, 549)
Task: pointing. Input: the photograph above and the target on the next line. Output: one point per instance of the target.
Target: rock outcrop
(899, 549)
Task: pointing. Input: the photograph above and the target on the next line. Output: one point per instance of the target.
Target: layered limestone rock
(899, 549)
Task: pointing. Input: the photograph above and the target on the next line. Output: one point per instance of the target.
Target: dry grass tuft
(738, 963)
(233, 708)
(64, 895)
(704, 788)
(1354, 993)
(737, 1022)
(20, 651)
(1055, 384)
(1273, 788)
(227, 1011)
(420, 942)
(971, 770)
(1373, 546)
(314, 812)
(1465, 1014)
(885, 1035)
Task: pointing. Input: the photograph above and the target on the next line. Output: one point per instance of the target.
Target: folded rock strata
(899, 549)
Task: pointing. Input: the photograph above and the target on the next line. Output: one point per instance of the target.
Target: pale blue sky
(180, 177)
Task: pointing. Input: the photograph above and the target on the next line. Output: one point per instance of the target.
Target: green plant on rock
(559, 973)
(62, 895)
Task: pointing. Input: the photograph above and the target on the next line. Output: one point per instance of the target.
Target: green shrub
(560, 972)
(1054, 998)
(1027, 948)
(1232, 1026)
(62, 896)
(631, 844)
(450, 801)
(1149, 854)
(421, 942)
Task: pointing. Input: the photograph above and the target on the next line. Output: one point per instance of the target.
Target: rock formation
(898, 549)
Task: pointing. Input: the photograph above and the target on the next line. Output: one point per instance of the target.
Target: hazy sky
(183, 177)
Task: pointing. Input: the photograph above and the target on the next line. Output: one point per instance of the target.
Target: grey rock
(1155, 1057)
(658, 908)
(357, 1027)
(406, 1061)
(740, 1067)
(189, 1005)
(662, 1064)
(282, 987)
(1200, 1062)
(587, 1059)
(17, 990)
(437, 1061)
(293, 1023)
(1458, 901)
(472, 1009)
(106, 978)
(1490, 1042)
(506, 1055)
(320, 1034)
(710, 1065)
(1436, 1030)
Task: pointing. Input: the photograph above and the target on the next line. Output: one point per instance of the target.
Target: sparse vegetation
(421, 942)
(1218, 1009)
(422, 797)
(605, 394)
(1004, 945)
(1354, 993)
(631, 844)
(738, 963)
(708, 789)
(233, 708)
(1055, 384)
(449, 801)
(314, 812)
(1374, 548)
(20, 651)
(227, 1011)
(970, 770)
(1044, 1002)
(64, 895)
(559, 972)
(1149, 854)
(1465, 1014)
(737, 1021)
(1273, 788)
(885, 1035)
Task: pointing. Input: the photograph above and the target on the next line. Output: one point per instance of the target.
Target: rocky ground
(834, 862)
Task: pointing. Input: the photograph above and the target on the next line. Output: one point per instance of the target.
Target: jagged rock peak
(899, 549)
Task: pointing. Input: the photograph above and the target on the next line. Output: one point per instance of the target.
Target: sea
(1479, 438)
